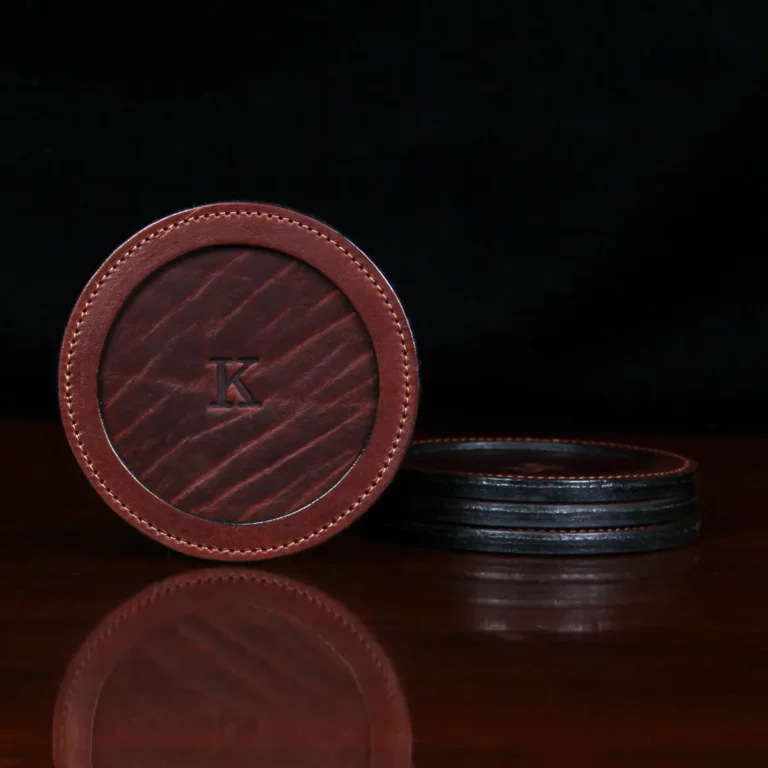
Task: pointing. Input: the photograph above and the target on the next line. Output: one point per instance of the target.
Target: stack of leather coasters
(548, 497)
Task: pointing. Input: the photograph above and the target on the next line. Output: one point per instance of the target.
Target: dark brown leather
(183, 431)
(231, 668)
(285, 431)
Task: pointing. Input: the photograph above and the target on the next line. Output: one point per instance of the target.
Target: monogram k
(230, 383)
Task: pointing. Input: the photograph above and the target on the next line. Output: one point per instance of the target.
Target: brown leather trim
(261, 226)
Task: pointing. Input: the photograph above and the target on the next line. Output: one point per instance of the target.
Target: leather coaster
(501, 514)
(238, 381)
(527, 541)
(231, 667)
(553, 471)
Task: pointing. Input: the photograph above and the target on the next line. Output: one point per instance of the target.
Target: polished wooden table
(463, 659)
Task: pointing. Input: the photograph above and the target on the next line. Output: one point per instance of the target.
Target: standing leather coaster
(238, 381)
(552, 471)
(231, 667)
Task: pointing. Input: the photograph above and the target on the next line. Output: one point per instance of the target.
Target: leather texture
(526, 541)
(213, 447)
(285, 430)
(499, 514)
(552, 471)
(231, 667)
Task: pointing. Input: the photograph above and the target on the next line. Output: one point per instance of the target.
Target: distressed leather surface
(299, 412)
(238, 384)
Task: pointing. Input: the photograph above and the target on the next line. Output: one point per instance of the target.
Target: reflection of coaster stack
(517, 597)
(542, 497)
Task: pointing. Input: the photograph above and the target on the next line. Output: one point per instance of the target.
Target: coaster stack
(548, 497)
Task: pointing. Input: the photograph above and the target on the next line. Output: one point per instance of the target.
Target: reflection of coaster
(235, 668)
(528, 541)
(509, 514)
(238, 381)
(513, 469)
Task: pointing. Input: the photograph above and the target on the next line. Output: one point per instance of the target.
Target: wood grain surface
(641, 660)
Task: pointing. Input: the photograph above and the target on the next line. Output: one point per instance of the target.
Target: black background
(569, 198)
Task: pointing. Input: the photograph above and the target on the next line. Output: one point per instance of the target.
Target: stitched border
(461, 527)
(428, 512)
(686, 464)
(78, 329)
(163, 589)
(431, 503)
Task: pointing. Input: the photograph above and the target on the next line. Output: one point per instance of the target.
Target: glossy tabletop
(117, 652)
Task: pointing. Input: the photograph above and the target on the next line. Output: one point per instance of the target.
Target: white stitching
(78, 329)
(459, 527)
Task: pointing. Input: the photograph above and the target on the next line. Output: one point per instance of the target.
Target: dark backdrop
(568, 197)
